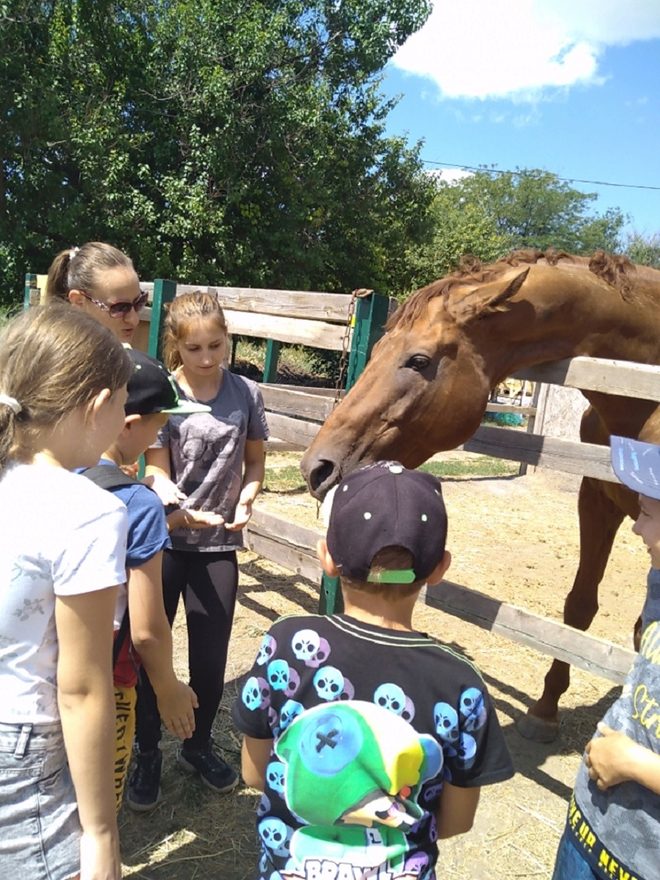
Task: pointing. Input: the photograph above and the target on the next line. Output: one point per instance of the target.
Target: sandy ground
(514, 538)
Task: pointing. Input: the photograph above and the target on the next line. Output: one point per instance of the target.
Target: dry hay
(515, 538)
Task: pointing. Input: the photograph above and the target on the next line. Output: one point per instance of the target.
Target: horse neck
(611, 328)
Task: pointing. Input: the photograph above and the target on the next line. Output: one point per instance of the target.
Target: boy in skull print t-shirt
(369, 740)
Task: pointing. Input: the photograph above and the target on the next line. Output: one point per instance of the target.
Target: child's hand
(99, 856)
(176, 707)
(193, 519)
(610, 757)
(131, 470)
(167, 491)
(242, 516)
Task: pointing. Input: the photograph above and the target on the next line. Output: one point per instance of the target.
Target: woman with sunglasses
(101, 280)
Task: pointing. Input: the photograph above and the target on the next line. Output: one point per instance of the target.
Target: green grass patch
(287, 478)
(296, 363)
(284, 479)
(473, 467)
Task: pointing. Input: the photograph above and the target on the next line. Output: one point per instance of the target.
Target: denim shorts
(570, 864)
(40, 837)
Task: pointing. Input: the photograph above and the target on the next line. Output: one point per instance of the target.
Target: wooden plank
(569, 456)
(296, 402)
(292, 430)
(274, 446)
(288, 557)
(286, 543)
(312, 305)
(309, 389)
(544, 635)
(298, 331)
(287, 531)
(599, 374)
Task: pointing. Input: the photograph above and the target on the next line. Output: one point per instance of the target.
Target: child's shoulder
(451, 658)
(71, 494)
(242, 383)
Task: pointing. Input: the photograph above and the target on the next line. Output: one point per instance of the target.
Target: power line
(563, 179)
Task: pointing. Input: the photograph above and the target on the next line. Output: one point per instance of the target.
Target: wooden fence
(293, 546)
(343, 322)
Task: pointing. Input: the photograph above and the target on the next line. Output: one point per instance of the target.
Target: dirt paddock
(514, 538)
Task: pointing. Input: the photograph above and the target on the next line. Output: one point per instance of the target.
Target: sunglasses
(120, 309)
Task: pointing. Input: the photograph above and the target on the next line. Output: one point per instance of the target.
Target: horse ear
(486, 298)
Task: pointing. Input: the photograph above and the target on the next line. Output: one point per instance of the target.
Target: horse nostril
(321, 477)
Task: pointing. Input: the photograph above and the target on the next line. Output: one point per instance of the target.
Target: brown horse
(427, 384)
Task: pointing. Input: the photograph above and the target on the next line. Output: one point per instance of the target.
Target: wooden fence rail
(295, 416)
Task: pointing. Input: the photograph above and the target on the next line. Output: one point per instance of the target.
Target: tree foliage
(644, 249)
(217, 141)
(488, 214)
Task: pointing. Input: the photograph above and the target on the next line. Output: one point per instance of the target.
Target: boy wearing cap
(369, 740)
(613, 824)
(142, 631)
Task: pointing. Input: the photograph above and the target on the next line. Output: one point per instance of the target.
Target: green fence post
(270, 360)
(369, 319)
(164, 292)
(29, 289)
(371, 314)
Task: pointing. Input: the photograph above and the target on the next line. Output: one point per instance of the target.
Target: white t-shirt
(60, 535)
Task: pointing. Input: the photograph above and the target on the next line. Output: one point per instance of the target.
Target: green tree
(644, 249)
(225, 142)
(487, 214)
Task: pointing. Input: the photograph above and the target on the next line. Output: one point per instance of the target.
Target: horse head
(427, 383)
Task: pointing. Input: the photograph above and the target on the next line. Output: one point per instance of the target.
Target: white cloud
(449, 175)
(520, 48)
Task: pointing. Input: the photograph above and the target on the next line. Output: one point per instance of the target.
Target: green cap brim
(404, 576)
(186, 407)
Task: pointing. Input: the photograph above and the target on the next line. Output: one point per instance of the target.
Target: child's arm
(254, 761)
(456, 810)
(87, 711)
(152, 637)
(158, 476)
(614, 757)
(253, 477)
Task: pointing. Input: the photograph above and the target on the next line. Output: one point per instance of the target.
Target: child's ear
(75, 297)
(96, 403)
(441, 568)
(326, 560)
(128, 421)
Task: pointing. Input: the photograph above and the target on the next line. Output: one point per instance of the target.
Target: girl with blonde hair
(210, 462)
(62, 554)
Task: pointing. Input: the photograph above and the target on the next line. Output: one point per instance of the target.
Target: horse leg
(600, 519)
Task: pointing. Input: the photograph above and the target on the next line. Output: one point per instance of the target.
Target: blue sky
(571, 86)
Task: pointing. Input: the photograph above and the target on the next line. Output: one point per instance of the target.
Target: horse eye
(418, 362)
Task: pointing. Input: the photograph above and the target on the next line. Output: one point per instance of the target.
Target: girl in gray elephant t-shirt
(212, 462)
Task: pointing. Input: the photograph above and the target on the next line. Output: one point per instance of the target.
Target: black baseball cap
(387, 505)
(151, 389)
(637, 465)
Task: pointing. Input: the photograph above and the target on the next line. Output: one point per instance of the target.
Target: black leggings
(208, 583)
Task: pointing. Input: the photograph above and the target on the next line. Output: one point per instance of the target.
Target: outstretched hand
(193, 519)
(242, 516)
(167, 491)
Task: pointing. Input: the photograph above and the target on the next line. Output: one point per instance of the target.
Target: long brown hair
(77, 268)
(53, 359)
(182, 311)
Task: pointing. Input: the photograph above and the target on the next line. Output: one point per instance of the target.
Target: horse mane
(616, 270)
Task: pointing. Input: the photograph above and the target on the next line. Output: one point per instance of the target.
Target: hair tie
(12, 403)
(73, 252)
